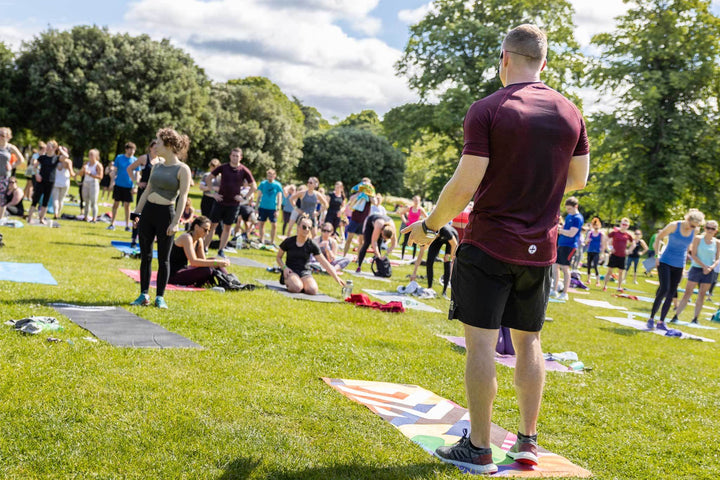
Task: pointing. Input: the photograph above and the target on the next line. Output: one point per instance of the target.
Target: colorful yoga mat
(432, 421)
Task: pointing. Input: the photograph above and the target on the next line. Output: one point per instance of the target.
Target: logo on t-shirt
(532, 249)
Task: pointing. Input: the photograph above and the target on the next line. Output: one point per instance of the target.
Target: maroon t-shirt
(529, 132)
(231, 182)
(619, 242)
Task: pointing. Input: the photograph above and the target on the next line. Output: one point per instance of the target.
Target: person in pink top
(620, 242)
(412, 214)
(525, 146)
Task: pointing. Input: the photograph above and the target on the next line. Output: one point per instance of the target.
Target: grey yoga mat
(275, 285)
(121, 328)
(246, 262)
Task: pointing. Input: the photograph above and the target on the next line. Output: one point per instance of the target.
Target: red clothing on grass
(526, 130)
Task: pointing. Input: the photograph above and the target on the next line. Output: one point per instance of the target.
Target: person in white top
(60, 188)
(377, 206)
(93, 171)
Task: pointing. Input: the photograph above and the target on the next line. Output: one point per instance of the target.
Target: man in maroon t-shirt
(620, 242)
(233, 176)
(525, 146)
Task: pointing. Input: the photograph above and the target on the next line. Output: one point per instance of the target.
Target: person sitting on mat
(448, 237)
(189, 248)
(375, 225)
(329, 247)
(296, 272)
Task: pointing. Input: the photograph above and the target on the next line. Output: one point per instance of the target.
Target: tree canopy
(91, 88)
(348, 154)
(658, 148)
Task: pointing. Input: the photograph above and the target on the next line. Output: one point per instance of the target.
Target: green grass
(251, 404)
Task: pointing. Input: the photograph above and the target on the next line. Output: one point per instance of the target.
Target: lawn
(251, 404)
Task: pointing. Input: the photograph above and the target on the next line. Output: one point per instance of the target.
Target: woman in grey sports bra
(308, 201)
(158, 212)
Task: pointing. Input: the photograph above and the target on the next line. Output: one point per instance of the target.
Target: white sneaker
(562, 296)
(553, 294)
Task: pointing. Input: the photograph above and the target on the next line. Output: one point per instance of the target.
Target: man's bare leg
(529, 378)
(480, 382)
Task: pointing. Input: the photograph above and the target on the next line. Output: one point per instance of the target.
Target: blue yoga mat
(127, 249)
(26, 272)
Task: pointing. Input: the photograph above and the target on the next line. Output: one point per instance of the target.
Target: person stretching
(189, 248)
(596, 243)
(672, 261)
(413, 213)
(158, 212)
(705, 257)
(375, 225)
(448, 237)
(296, 272)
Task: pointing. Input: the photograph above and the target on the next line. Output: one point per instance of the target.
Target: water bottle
(577, 366)
(347, 289)
(218, 289)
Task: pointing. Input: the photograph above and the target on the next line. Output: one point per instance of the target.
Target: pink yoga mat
(135, 275)
(510, 360)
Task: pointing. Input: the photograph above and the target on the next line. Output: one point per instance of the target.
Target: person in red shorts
(620, 242)
(525, 146)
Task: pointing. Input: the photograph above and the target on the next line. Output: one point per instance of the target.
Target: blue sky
(336, 55)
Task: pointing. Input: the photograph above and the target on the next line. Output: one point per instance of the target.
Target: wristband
(428, 233)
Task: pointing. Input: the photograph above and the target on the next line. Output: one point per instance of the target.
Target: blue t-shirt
(269, 191)
(122, 178)
(571, 221)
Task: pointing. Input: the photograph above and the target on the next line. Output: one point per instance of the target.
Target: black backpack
(229, 281)
(381, 267)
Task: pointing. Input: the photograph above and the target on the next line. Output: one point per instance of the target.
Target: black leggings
(153, 223)
(433, 252)
(592, 262)
(404, 244)
(44, 190)
(367, 239)
(197, 276)
(669, 280)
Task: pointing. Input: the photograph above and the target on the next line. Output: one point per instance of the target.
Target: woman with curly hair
(158, 212)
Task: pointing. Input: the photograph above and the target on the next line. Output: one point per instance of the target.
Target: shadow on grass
(47, 303)
(628, 332)
(72, 244)
(242, 468)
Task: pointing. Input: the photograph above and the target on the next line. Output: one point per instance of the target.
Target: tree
(659, 148)
(7, 72)
(365, 120)
(91, 88)
(348, 154)
(453, 53)
(255, 115)
(313, 119)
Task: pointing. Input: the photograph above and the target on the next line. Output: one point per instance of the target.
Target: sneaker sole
(526, 458)
(471, 467)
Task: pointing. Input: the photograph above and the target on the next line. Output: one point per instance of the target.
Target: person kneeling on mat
(189, 248)
(296, 272)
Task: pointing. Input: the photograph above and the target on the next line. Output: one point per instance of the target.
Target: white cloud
(298, 45)
(593, 17)
(411, 17)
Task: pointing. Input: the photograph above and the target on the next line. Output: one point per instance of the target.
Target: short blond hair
(528, 41)
(695, 215)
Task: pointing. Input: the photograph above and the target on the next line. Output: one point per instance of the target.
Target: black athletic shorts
(225, 213)
(616, 262)
(565, 255)
(489, 293)
(122, 194)
(245, 211)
